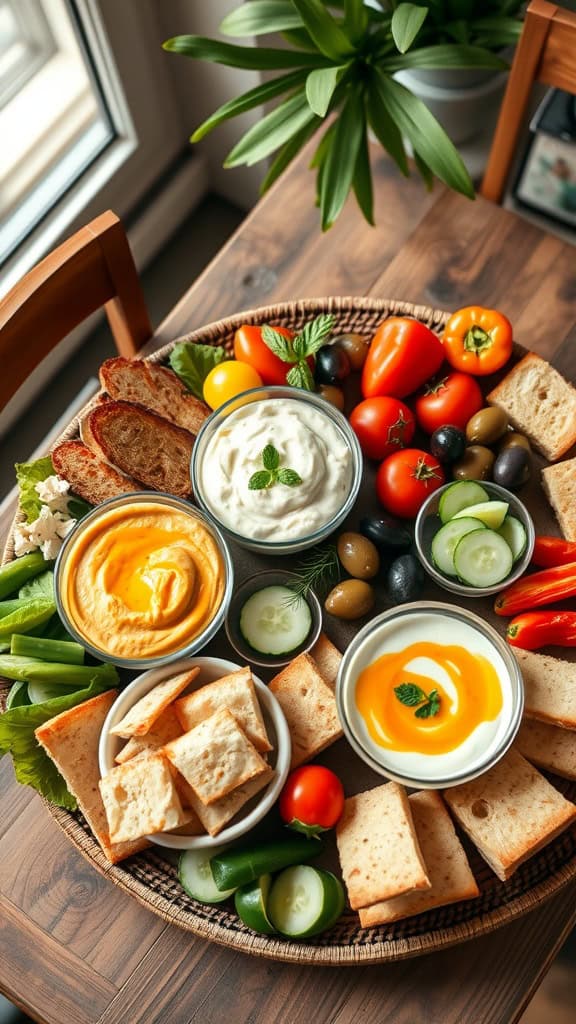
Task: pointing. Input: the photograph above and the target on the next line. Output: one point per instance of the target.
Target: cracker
(165, 728)
(548, 747)
(446, 865)
(217, 815)
(379, 852)
(140, 798)
(309, 706)
(235, 692)
(142, 715)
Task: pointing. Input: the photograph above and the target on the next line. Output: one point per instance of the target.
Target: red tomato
(382, 425)
(404, 481)
(312, 799)
(249, 348)
(402, 355)
(452, 399)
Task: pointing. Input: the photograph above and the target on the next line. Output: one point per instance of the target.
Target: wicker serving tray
(151, 877)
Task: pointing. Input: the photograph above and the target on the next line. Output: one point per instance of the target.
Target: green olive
(486, 426)
(350, 600)
(355, 347)
(333, 395)
(358, 555)
(514, 440)
(475, 464)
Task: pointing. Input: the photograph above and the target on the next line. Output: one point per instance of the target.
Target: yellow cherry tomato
(228, 379)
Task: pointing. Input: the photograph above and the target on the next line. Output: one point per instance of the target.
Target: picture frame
(546, 181)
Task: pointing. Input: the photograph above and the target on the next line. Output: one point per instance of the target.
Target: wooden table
(73, 947)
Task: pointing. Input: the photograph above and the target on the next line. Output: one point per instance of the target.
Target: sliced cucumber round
(305, 901)
(491, 513)
(445, 541)
(274, 621)
(460, 495)
(196, 878)
(250, 902)
(515, 536)
(482, 558)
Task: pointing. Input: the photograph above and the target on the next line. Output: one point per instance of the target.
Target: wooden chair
(91, 269)
(546, 52)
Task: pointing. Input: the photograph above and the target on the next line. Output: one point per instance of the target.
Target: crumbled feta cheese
(22, 543)
(53, 492)
(46, 532)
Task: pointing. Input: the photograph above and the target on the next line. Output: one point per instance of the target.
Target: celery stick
(14, 605)
(29, 615)
(17, 667)
(64, 651)
(14, 574)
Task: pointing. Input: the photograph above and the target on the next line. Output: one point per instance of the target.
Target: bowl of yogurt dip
(278, 469)
(429, 695)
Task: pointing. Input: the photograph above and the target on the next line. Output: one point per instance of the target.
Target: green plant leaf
(272, 131)
(252, 58)
(447, 55)
(428, 138)
(249, 100)
(386, 131)
(287, 154)
(313, 335)
(270, 457)
(260, 17)
(320, 86)
(41, 586)
(278, 344)
(289, 477)
(323, 146)
(410, 695)
(300, 376)
(425, 172)
(362, 181)
(301, 39)
(193, 362)
(330, 39)
(407, 20)
(261, 480)
(338, 170)
(28, 474)
(355, 19)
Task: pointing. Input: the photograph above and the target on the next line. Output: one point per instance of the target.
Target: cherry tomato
(228, 379)
(452, 399)
(382, 425)
(405, 479)
(249, 348)
(312, 799)
(402, 355)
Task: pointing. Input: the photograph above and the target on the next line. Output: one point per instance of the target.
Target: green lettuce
(193, 362)
(28, 474)
(28, 616)
(40, 586)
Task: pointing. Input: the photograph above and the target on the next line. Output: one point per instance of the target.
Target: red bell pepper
(537, 629)
(402, 355)
(540, 588)
(550, 551)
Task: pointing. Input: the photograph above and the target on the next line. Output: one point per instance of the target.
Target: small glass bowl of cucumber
(268, 623)
(474, 538)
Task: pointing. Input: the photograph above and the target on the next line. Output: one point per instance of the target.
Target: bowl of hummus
(278, 470)
(143, 579)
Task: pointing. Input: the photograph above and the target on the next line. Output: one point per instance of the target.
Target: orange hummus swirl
(142, 580)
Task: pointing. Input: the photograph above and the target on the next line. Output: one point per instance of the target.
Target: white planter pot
(464, 102)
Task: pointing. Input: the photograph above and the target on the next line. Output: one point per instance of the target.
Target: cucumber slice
(458, 496)
(273, 622)
(250, 902)
(196, 878)
(515, 536)
(491, 513)
(240, 866)
(445, 541)
(482, 558)
(305, 901)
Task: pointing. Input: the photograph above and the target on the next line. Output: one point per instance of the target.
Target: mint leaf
(313, 335)
(192, 363)
(300, 376)
(278, 344)
(28, 474)
(260, 480)
(270, 457)
(289, 477)
(409, 694)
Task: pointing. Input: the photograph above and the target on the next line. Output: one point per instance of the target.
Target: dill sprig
(319, 570)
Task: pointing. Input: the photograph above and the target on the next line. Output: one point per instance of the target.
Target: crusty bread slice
(559, 483)
(89, 476)
(140, 718)
(154, 387)
(217, 815)
(327, 658)
(309, 706)
(71, 741)
(140, 798)
(379, 852)
(446, 865)
(144, 445)
(510, 812)
(539, 403)
(236, 692)
(549, 688)
(165, 728)
(548, 747)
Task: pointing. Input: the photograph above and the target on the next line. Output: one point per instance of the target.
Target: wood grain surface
(74, 948)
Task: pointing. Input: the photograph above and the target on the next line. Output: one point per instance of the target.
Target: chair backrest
(93, 268)
(546, 53)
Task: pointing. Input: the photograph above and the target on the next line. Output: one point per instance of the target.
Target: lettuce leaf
(30, 614)
(28, 474)
(193, 362)
(40, 586)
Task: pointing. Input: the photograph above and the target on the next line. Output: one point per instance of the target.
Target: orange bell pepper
(478, 341)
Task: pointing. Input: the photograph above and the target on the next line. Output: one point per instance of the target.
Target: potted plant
(341, 67)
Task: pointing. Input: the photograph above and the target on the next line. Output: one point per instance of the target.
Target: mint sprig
(427, 704)
(299, 349)
(273, 472)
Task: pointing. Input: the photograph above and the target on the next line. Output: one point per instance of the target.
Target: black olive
(332, 364)
(389, 536)
(512, 468)
(404, 579)
(448, 443)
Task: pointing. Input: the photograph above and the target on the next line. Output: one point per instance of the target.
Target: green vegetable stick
(14, 605)
(66, 651)
(14, 574)
(28, 616)
(15, 667)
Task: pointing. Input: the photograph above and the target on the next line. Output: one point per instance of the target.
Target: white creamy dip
(307, 442)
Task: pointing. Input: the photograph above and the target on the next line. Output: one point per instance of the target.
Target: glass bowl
(428, 523)
(443, 624)
(108, 567)
(292, 518)
(269, 578)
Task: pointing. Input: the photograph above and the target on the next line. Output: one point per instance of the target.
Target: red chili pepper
(550, 551)
(540, 588)
(537, 629)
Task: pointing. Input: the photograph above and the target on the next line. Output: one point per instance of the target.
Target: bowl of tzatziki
(277, 468)
(429, 695)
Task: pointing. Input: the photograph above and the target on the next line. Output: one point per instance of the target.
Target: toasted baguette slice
(549, 688)
(559, 483)
(540, 403)
(144, 445)
(153, 387)
(309, 706)
(548, 747)
(510, 812)
(327, 658)
(90, 476)
(446, 865)
(378, 848)
(71, 741)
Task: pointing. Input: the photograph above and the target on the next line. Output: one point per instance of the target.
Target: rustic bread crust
(549, 688)
(559, 483)
(90, 476)
(540, 403)
(155, 388)
(548, 746)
